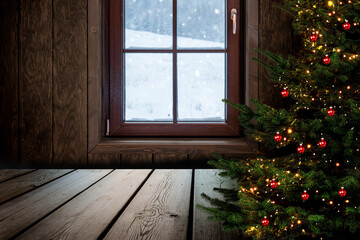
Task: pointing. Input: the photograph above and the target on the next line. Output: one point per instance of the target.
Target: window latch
(233, 18)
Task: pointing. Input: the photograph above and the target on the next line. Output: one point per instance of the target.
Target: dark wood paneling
(275, 34)
(171, 160)
(36, 82)
(136, 160)
(9, 23)
(70, 83)
(200, 160)
(110, 160)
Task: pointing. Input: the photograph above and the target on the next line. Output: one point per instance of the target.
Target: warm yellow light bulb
(289, 130)
(308, 146)
(338, 164)
(331, 202)
(330, 3)
(298, 221)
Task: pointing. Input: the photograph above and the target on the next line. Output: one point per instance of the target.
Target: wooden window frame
(98, 99)
(118, 127)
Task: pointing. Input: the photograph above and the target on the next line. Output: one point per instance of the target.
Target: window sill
(174, 145)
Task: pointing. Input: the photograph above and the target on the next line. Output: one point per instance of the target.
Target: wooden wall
(43, 87)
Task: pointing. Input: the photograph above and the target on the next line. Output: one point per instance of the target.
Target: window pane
(148, 24)
(201, 24)
(201, 87)
(148, 84)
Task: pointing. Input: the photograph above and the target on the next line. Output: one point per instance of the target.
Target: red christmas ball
(342, 192)
(326, 60)
(305, 196)
(273, 184)
(300, 149)
(322, 143)
(277, 137)
(284, 93)
(265, 221)
(313, 37)
(346, 26)
(331, 112)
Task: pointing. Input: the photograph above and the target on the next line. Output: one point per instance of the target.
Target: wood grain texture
(171, 145)
(9, 22)
(160, 209)
(25, 183)
(6, 174)
(275, 34)
(203, 228)
(111, 160)
(136, 161)
(18, 214)
(200, 160)
(95, 129)
(86, 216)
(70, 83)
(170, 160)
(36, 82)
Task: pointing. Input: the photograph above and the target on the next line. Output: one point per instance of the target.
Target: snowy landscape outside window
(171, 64)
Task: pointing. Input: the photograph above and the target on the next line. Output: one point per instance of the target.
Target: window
(171, 63)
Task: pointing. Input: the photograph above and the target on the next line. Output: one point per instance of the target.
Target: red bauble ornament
(342, 192)
(322, 143)
(265, 221)
(305, 196)
(284, 93)
(313, 37)
(326, 60)
(331, 112)
(273, 184)
(300, 149)
(346, 26)
(277, 137)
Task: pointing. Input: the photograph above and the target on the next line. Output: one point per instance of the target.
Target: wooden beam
(6, 174)
(159, 211)
(70, 83)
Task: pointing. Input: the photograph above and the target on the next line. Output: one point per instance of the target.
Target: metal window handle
(233, 18)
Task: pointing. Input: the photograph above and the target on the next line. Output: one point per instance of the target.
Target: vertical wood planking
(35, 86)
(275, 34)
(9, 23)
(87, 215)
(70, 83)
(203, 228)
(94, 73)
(159, 211)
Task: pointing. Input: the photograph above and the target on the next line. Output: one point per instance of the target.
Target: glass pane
(148, 84)
(201, 24)
(201, 87)
(148, 24)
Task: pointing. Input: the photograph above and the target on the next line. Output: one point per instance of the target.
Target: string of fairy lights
(313, 40)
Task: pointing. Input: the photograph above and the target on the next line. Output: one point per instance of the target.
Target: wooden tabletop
(108, 204)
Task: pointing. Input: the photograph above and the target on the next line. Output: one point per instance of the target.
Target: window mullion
(174, 61)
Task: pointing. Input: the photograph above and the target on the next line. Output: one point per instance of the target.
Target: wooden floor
(107, 204)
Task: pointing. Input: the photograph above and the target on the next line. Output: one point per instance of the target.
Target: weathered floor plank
(6, 174)
(160, 209)
(22, 184)
(205, 181)
(18, 214)
(86, 216)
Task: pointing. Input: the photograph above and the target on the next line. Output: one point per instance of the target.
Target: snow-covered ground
(149, 77)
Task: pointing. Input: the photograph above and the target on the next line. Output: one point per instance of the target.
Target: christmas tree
(305, 183)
